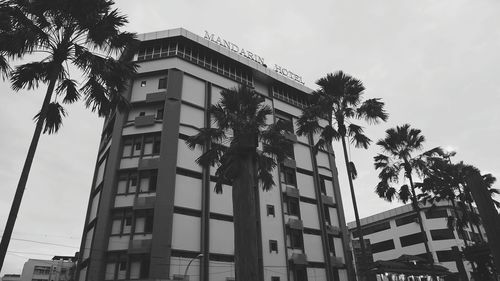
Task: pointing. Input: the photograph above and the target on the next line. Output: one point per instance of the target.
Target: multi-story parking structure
(396, 232)
(152, 209)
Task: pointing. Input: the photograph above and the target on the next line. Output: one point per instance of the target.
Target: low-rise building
(396, 232)
(60, 268)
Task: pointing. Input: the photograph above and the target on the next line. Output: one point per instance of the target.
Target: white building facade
(152, 209)
(396, 232)
(57, 269)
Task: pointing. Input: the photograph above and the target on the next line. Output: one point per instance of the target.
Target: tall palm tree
(480, 186)
(339, 101)
(81, 33)
(399, 145)
(240, 123)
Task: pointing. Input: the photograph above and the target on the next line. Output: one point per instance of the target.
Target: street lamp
(187, 267)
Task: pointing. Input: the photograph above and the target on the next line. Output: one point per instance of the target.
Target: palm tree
(339, 100)
(232, 146)
(480, 186)
(81, 33)
(398, 145)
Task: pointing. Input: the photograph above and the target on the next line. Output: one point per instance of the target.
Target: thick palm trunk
(362, 261)
(246, 251)
(16, 203)
(488, 214)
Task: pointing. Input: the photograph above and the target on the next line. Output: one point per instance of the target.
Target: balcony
(290, 163)
(139, 246)
(143, 121)
(292, 192)
(337, 262)
(333, 230)
(156, 97)
(328, 200)
(141, 203)
(148, 163)
(295, 224)
(298, 259)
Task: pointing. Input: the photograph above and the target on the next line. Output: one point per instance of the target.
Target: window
(412, 239)
(144, 220)
(123, 265)
(300, 274)
(327, 215)
(373, 228)
(162, 83)
(41, 270)
(273, 246)
(296, 239)
(293, 207)
(142, 145)
(288, 176)
(407, 219)
(331, 244)
(434, 214)
(270, 210)
(131, 182)
(322, 186)
(383, 246)
(142, 113)
(442, 234)
(159, 114)
(143, 83)
(121, 222)
(275, 278)
(444, 256)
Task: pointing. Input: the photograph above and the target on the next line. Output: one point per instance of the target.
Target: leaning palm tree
(84, 34)
(399, 146)
(240, 124)
(338, 102)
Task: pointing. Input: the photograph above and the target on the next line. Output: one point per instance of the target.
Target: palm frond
(5, 68)
(52, 119)
(29, 75)
(68, 88)
(359, 139)
(404, 193)
(205, 137)
(372, 110)
(352, 170)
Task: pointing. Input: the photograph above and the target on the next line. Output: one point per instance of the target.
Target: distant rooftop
(224, 51)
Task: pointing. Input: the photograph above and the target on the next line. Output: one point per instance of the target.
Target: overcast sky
(434, 63)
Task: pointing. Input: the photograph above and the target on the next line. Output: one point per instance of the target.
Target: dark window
(162, 83)
(123, 265)
(148, 225)
(327, 215)
(159, 114)
(144, 267)
(275, 278)
(143, 83)
(412, 239)
(288, 176)
(156, 146)
(406, 220)
(331, 245)
(133, 181)
(128, 220)
(153, 178)
(142, 113)
(442, 234)
(300, 274)
(296, 239)
(293, 206)
(434, 214)
(383, 246)
(270, 210)
(373, 228)
(322, 185)
(273, 246)
(444, 256)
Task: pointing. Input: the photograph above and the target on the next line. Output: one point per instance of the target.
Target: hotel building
(152, 210)
(396, 232)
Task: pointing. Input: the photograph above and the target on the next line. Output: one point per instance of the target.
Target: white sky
(434, 63)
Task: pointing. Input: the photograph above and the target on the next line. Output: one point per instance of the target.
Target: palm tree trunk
(414, 201)
(488, 214)
(356, 214)
(245, 222)
(16, 203)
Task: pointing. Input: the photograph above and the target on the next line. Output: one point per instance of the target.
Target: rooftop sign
(252, 56)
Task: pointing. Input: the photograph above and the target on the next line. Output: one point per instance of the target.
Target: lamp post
(187, 267)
